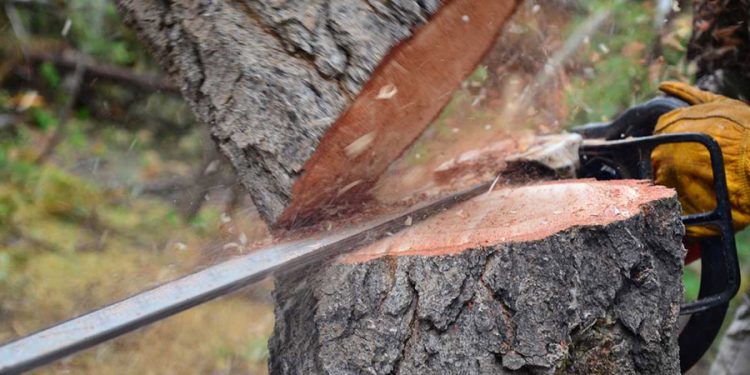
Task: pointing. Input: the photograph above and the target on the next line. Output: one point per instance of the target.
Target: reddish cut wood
(518, 214)
(404, 94)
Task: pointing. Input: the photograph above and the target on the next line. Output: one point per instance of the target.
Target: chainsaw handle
(705, 324)
(638, 121)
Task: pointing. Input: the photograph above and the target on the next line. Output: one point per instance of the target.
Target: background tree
(720, 46)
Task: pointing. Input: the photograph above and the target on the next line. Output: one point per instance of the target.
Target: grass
(73, 241)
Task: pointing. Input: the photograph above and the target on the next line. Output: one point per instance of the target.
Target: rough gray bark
(732, 358)
(270, 77)
(586, 300)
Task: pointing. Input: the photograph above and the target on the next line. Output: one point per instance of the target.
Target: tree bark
(732, 356)
(561, 277)
(311, 100)
(720, 46)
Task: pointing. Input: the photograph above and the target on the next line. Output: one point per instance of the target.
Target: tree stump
(311, 100)
(578, 277)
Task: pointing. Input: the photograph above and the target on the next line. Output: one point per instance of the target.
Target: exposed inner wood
(515, 214)
(600, 295)
(403, 95)
(405, 187)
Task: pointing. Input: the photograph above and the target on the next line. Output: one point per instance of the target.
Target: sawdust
(404, 187)
(399, 195)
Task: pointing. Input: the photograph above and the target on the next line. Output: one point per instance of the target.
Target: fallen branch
(96, 70)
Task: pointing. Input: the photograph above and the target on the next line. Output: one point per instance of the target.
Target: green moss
(10, 202)
(593, 347)
(65, 195)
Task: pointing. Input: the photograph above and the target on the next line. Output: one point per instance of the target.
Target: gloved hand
(687, 167)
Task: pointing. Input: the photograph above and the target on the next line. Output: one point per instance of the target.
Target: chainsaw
(620, 149)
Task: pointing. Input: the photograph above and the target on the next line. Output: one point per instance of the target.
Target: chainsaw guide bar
(175, 296)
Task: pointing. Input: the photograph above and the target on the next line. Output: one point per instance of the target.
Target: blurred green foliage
(43, 118)
(50, 74)
(76, 232)
(620, 70)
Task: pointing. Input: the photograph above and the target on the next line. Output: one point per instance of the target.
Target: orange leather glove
(687, 167)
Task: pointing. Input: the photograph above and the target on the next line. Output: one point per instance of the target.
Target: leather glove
(687, 167)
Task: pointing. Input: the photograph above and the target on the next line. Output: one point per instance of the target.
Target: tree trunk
(311, 100)
(560, 277)
(720, 46)
(732, 356)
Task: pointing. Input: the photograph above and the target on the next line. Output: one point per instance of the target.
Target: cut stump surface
(560, 277)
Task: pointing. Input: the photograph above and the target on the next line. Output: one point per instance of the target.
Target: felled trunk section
(560, 277)
(312, 99)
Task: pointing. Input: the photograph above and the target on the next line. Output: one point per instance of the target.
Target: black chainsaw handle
(701, 328)
(638, 121)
